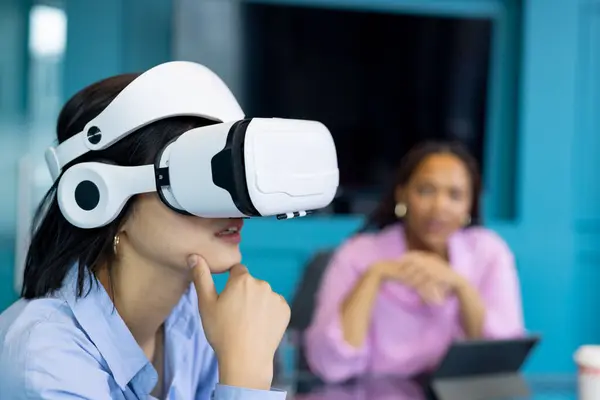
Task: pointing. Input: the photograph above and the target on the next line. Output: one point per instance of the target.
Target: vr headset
(237, 167)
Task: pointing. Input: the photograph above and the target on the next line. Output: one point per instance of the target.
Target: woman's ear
(125, 222)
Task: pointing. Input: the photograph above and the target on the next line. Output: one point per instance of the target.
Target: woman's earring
(400, 210)
(467, 221)
(116, 241)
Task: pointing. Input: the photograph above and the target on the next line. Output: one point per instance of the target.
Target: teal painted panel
(95, 43)
(548, 280)
(14, 66)
(148, 31)
(548, 117)
(586, 195)
(283, 269)
(139, 38)
(547, 156)
(14, 26)
(502, 115)
(585, 300)
(7, 293)
(308, 233)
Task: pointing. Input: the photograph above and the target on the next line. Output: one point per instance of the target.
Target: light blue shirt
(63, 347)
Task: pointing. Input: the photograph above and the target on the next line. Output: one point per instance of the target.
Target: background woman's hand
(433, 272)
(427, 274)
(432, 267)
(244, 324)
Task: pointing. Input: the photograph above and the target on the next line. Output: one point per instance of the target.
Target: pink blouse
(406, 336)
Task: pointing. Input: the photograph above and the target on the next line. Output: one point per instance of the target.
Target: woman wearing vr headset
(129, 309)
(392, 301)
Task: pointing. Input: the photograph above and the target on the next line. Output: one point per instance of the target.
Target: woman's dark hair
(56, 245)
(384, 214)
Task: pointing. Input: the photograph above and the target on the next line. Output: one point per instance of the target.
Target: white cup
(588, 363)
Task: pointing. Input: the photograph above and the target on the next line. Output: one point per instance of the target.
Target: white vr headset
(235, 168)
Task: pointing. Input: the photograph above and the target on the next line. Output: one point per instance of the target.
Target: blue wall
(555, 225)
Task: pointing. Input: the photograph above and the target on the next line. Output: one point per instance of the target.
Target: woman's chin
(224, 262)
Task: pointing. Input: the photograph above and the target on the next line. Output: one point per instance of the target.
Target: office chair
(303, 305)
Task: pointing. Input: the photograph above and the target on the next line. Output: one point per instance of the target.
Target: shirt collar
(99, 319)
(185, 317)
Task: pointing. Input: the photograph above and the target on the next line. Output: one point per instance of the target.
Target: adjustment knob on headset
(94, 135)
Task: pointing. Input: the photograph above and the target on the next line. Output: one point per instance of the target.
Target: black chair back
(303, 303)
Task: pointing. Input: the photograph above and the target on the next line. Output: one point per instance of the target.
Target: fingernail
(192, 261)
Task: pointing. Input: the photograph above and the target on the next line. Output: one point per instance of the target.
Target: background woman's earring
(116, 241)
(400, 210)
(467, 220)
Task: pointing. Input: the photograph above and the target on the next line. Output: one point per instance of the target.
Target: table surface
(546, 387)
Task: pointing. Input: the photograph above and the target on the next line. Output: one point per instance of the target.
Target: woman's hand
(435, 275)
(434, 279)
(428, 274)
(244, 324)
(432, 267)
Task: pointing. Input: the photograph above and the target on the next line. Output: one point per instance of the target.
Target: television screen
(381, 82)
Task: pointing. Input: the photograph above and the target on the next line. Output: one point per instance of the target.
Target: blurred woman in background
(392, 301)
